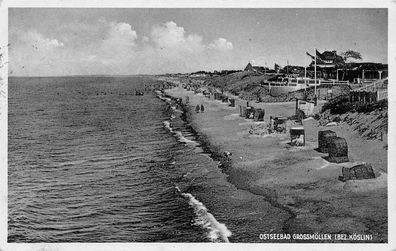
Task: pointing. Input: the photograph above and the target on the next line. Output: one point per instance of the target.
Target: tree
(351, 54)
(347, 55)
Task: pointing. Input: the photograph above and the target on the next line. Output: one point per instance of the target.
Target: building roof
(327, 59)
(250, 67)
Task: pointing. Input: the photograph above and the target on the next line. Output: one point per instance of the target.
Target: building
(257, 69)
(329, 65)
(327, 59)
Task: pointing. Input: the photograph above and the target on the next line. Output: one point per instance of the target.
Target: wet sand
(296, 180)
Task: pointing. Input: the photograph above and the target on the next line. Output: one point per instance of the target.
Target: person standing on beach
(197, 108)
(202, 108)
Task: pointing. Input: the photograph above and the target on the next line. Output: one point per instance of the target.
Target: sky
(75, 41)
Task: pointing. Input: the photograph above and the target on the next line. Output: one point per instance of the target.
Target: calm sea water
(88, 161)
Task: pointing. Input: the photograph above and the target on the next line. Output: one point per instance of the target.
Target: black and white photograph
(193, 124)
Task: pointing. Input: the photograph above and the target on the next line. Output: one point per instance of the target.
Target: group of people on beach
(199, 108)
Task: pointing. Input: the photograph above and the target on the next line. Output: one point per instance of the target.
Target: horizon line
(156, 74)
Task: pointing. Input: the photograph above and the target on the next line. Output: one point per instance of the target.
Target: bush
(369, 107)
(341, 105)
(337, 119)
(337, 104)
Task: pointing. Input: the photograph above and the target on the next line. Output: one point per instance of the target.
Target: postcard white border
(389, 4)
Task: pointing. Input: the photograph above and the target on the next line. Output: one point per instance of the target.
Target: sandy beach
(296, 180)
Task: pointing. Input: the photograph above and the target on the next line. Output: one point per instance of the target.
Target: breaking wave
(217, 232)
(167, 126)
(183, 139)
(179, 135)
(160, 96)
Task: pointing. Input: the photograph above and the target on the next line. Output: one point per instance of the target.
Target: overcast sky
(50, 42)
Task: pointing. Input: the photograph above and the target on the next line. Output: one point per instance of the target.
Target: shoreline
(283, 195)
(224, 162)
(221, 161)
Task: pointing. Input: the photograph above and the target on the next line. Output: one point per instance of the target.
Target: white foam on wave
(217, 232)
(167, 126)
(183, 139)
(163, 98)
(179, 135)
(174, 108)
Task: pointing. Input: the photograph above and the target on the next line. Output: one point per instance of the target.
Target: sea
(90, 161)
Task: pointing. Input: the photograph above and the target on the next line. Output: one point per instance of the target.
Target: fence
(381, 83)
(333, 82)
(368, 96)
(373, 92)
